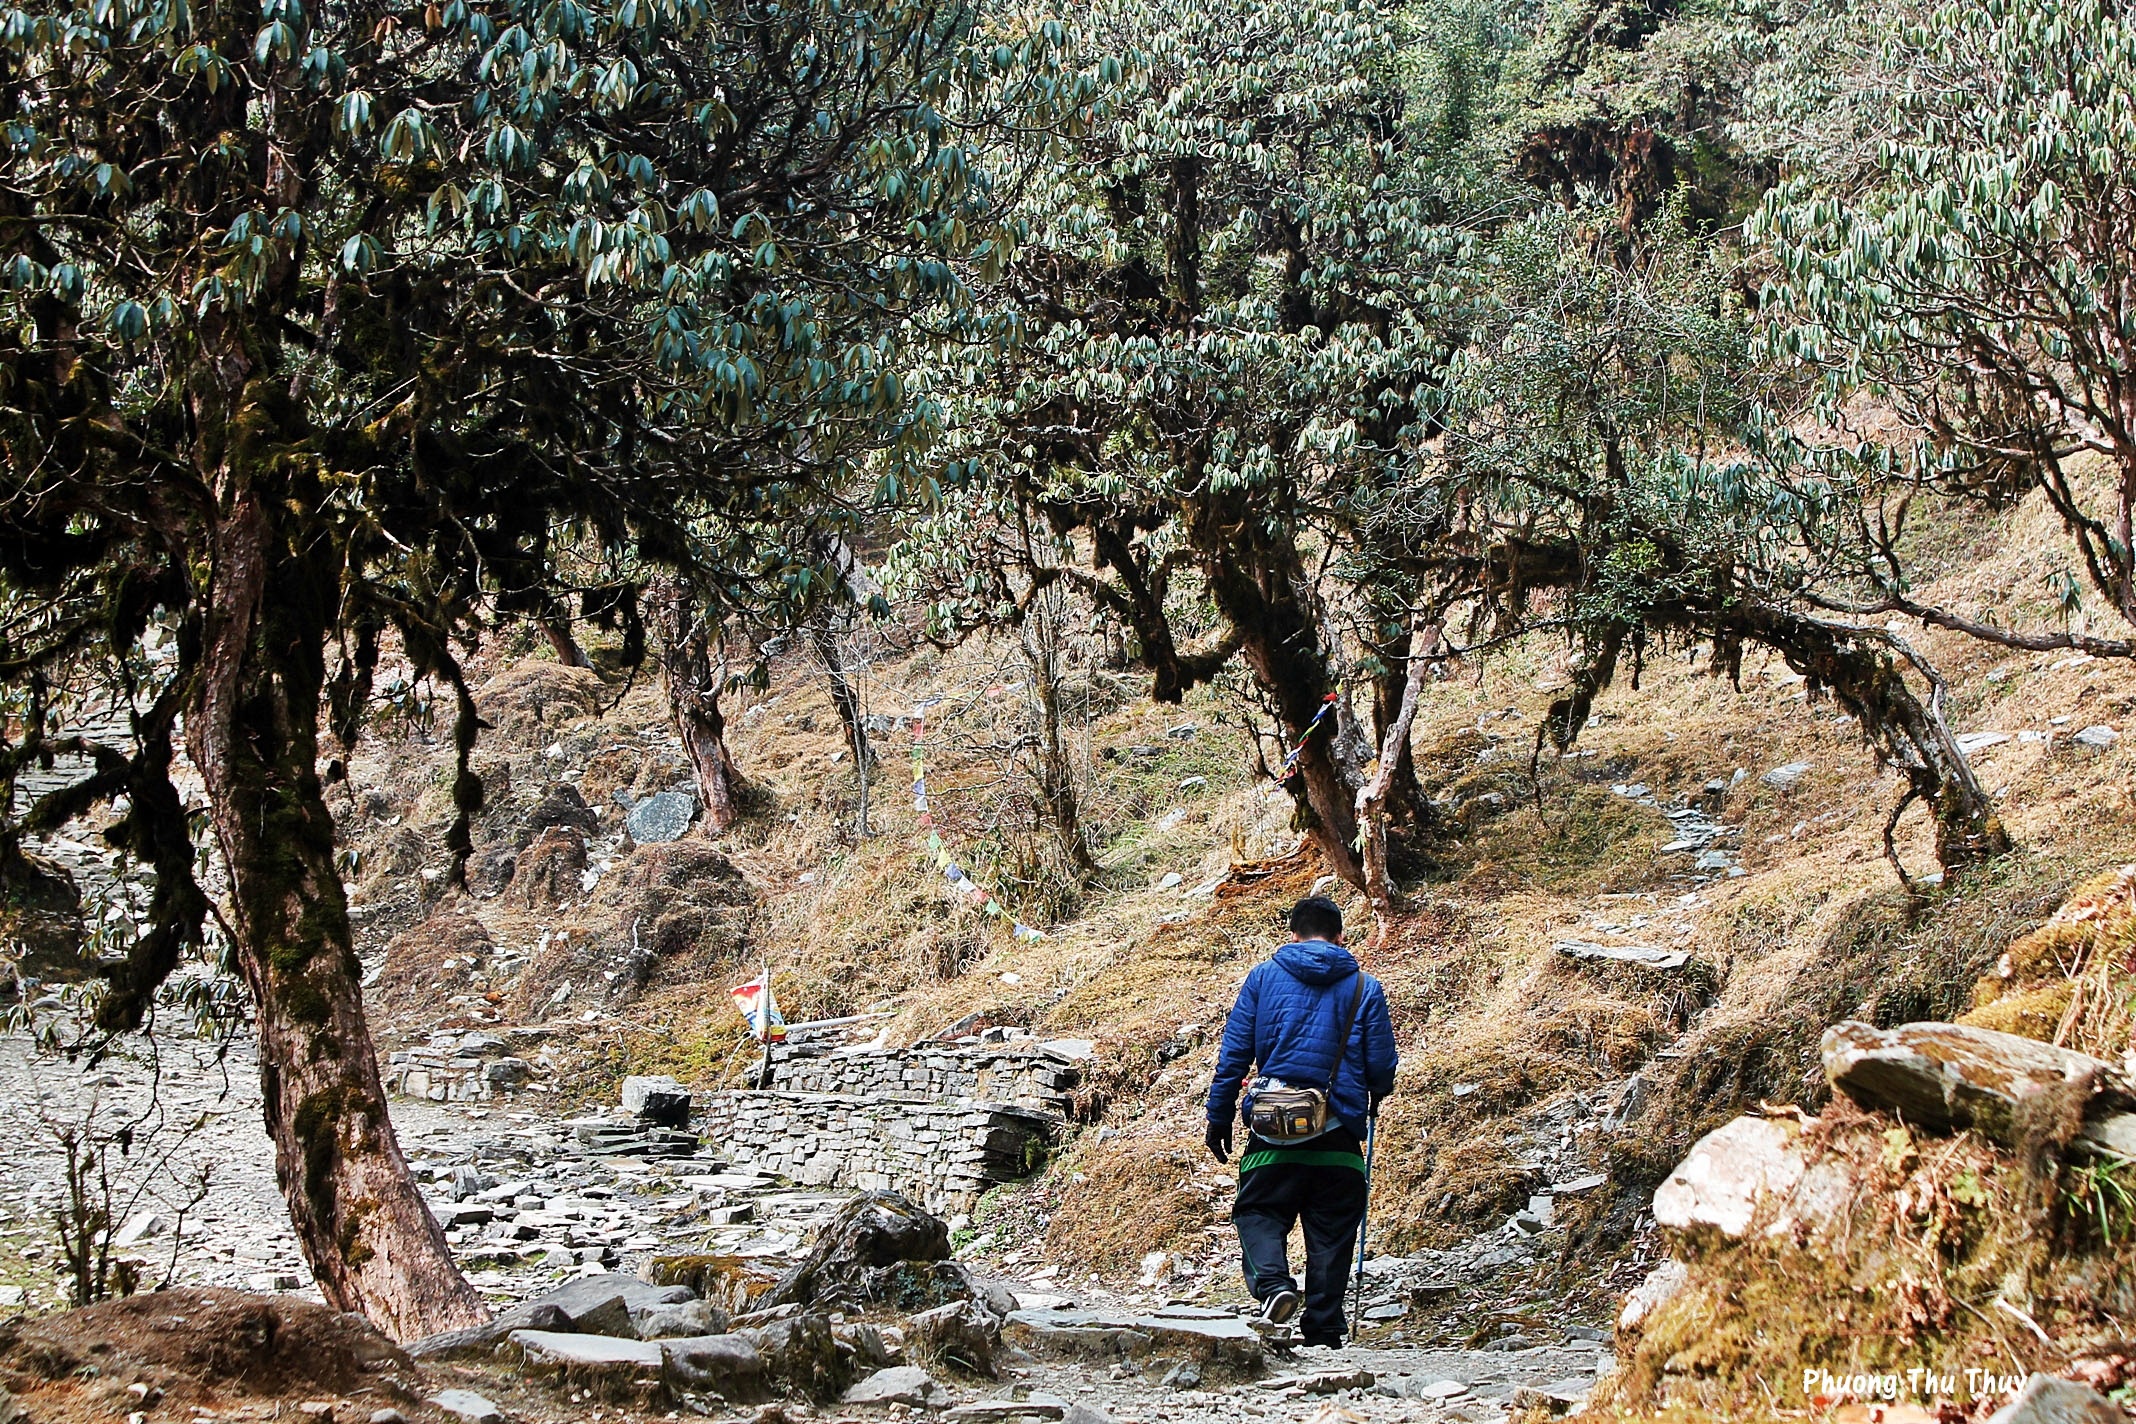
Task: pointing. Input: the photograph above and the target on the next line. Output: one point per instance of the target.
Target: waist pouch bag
(1285, 1112)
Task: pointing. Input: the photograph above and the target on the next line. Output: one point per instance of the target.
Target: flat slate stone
(466, 1404)
(900, 1384)
(1640, 954)
(575, 1297)
(664, 817)
(1943, 1076)
(549, 1347)
(1782, 777)
(1034, 1406)
(719, 1362)
(1212, 1337)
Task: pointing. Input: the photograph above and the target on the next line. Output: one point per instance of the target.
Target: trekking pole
(1357, 1293)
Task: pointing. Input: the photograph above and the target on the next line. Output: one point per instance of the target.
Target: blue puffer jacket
(1284, 1024)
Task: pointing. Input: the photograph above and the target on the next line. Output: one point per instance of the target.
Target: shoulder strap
(1349, 1021)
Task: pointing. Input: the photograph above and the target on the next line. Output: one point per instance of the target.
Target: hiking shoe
(1280, 1307)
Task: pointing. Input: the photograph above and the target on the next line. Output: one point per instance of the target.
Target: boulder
(1729, 1173)
(802, 1353)
(1944, 1076)
(662, 818)
(880, 1249)
(900, 1384)
(690, 1319)
(2047, 1400)
(730, 1366)
(736, 1284)
(963, 1334)
(561, 805)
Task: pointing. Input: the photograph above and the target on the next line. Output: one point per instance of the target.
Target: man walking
(1306, 1021)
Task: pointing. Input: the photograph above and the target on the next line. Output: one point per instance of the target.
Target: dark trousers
(1330, 1201)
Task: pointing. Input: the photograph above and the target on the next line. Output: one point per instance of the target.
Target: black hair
(1316, 917)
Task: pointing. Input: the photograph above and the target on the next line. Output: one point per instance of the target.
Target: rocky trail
(540, 1207)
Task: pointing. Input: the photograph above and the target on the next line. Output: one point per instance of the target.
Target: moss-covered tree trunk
(253, 733)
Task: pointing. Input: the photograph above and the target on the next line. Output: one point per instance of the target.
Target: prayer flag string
(1290, 762)
(959, 880)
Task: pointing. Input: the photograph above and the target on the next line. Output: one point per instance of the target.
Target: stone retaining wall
(1029, 1078)
(941, 1154)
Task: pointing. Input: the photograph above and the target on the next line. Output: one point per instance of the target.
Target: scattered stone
(662, 817)
(1585, 1335)
(1393, 1310)
(1660, 1286)
(1780, 778)
(388, 1416)
(2047, 1400)
(139, 1227)
(2096, 738)
(1578, 1185)
(466, 1404)
(1640, 954)
(1082, 1413)
(1971, 742)
(1728, 1173)
(1944, 1076)
(1184, 1375)
(1442, 1389)
(900, 1384)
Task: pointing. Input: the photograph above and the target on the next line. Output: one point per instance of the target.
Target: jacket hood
(1316, 962)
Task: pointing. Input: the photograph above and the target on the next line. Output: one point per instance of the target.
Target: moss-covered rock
(2071, 980)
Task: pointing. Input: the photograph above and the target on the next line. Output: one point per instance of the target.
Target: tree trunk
(1040, 637)
(253, 733)
(1259, 584)
(567, 650)
(1405, 799)
(1372, 799)
(695, 679)
(823, 634)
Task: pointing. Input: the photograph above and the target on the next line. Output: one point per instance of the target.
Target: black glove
(1218, 1140)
